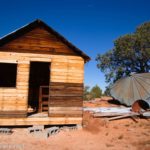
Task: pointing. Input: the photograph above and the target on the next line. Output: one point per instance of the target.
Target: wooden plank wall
(36, 41)
(66, 78)
(66, 99)
(13, 101)
(66, 87)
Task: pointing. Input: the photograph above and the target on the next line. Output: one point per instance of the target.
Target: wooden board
(40, 121)
(66, 99)
(13, 100)
(69, 101)
(39, 40)
(68, 69)
(12, 114)
(66, 79)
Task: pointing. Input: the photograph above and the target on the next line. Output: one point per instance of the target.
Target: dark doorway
(39, 76)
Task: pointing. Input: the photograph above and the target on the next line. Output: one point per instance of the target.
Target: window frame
(14, 85)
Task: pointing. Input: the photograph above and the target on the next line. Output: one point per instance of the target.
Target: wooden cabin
(41, 77)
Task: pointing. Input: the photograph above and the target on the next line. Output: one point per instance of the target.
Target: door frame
(42, 61)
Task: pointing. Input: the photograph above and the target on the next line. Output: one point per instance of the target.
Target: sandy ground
(97, 134)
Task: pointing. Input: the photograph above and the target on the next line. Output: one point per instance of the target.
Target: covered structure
(41, 79)
(129, 89)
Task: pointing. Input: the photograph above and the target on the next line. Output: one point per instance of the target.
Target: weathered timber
(39, 36)
(39, 40)
(40, 121)
(69, 101)
(63, 96)
(123, 116)
(12, 114)
(110, 114)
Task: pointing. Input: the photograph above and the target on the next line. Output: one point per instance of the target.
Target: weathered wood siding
(66, 99)
(66, 87)
(66, 84)
(13, 101)
(66, 75)
(40, 121)
(38, 40)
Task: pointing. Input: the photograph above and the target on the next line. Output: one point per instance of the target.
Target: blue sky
(91, 25)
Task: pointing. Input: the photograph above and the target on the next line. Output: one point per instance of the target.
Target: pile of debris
(134, 91)
(114, 113)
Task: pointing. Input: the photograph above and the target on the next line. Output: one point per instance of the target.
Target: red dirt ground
(97, 134)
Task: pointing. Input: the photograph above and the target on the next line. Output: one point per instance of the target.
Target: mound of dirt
(92, 125)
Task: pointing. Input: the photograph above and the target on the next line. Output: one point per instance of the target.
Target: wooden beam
(40, 121)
